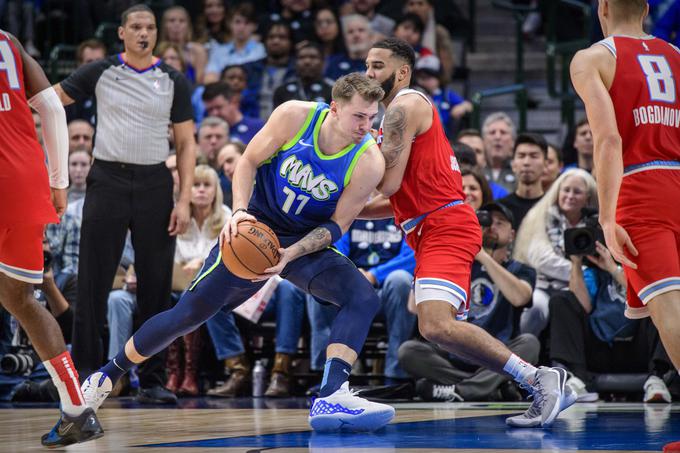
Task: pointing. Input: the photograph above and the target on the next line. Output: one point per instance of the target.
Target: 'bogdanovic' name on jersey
(655, 114)
(301, 175)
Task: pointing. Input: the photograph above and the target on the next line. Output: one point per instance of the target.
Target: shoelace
(536, 393)
(445, 392)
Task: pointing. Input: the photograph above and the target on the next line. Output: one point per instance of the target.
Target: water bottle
(258, 379)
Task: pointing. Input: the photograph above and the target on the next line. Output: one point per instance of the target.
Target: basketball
(253, 250)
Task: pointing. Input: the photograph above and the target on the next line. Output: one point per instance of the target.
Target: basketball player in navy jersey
(314, 167)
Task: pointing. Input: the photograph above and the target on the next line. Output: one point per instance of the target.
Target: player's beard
(388, 84)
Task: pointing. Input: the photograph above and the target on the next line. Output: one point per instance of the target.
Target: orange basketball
(253, 250)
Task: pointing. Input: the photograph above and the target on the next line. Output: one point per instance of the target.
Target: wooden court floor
(255, 425)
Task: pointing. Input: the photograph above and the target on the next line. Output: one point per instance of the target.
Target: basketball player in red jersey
(424, 186)
(28, 201)
(629, 83)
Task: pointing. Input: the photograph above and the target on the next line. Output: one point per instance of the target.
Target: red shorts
(653, 223)
(445, 245)
(21, 252)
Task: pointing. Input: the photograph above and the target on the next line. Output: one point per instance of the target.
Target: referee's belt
(411, 224)
(652, 165)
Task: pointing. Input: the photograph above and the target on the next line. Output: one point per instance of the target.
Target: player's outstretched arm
(403, 120)
(289, 116)
(44, 100)
(366, 176)
(592, 71)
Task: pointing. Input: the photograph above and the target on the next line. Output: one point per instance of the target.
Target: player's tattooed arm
(315, 240)
(394, 126)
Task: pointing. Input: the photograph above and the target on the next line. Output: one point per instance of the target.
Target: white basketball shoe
(551, 396)
(95, 389)
(343, 410)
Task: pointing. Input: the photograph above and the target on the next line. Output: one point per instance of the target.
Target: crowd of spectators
(242, 60)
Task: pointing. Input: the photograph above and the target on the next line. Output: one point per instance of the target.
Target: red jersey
(645, 97)
(24, 184)
(432, 177)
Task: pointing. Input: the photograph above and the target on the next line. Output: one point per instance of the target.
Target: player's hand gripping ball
(254, 249)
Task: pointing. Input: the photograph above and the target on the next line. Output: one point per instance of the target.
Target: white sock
(65, 379)
(522, 371)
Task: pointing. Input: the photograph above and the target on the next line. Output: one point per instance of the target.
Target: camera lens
(9, 364)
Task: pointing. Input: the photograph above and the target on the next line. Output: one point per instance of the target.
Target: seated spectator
(296, 14)
(583, 143)
(554, 164)
(379, 22)
(327, 31)
(64, 244)
(79, 163)
(237, 78)
(176, 28)
(410, 29)
(540, 240)
(379, 250)
(287, 307)
(499, 286)
(473, 139)
(528, 165)
(88, 51)
(450, 105)
(589, 332)
(266, 75)
(212, 25)
(242, 49)
(222, 102)
(435, 36)
(476, 188)
(213, 134)
(358, 35)
(226, 164)
(80, 136)
(308, 83)
(171, 55)
(498, 133)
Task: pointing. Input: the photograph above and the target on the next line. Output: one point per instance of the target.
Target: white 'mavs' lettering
(301, 175)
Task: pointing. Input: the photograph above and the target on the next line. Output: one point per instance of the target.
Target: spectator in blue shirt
(243, 48)
(450, 105)
(223, 102)
(378, 249)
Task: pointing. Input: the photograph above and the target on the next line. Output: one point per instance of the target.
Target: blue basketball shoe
(72, 430)
(343, 410)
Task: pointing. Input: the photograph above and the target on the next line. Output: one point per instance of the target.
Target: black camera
(22, 361)
(581, 241)
(484, 218)
(47, 260)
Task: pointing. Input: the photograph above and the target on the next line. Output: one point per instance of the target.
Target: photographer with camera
(540, 241)
(588, 330)
(499, 288)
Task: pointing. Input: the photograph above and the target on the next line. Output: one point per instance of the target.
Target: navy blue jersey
(298, 188)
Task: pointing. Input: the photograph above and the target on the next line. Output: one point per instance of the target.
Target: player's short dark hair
(469, 133)
(529, 138)
(415, 21)
(400, 49)
(215, 89)
(623, 9)
(89, 44)
(139, 8)
(356, 83)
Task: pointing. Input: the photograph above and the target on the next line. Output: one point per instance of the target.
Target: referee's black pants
(120, 197)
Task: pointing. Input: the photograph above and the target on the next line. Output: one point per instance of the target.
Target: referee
(129, 187)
